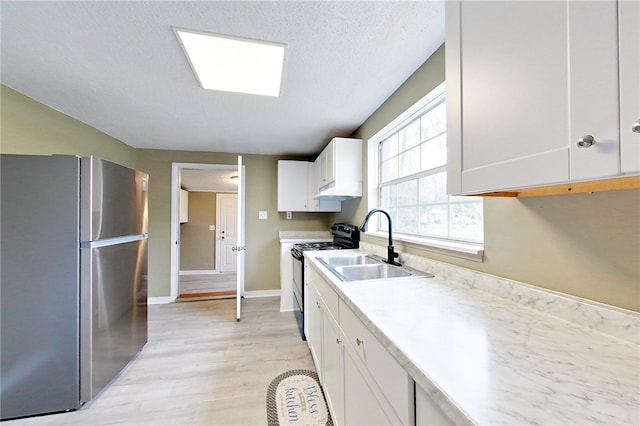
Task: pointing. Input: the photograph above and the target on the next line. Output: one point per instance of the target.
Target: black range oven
(345, 236)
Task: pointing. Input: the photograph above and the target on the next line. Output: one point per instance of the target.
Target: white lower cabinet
(427, 412)
(313, 326)
(363, 383)
(332, 352)
(361, 405)
(390, 383)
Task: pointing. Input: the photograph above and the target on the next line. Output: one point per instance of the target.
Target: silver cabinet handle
(586, 141)
(359, 342)
(636, 127)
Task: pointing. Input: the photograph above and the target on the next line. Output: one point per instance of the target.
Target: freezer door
(113, 199)
(113, 311)
(39, 287)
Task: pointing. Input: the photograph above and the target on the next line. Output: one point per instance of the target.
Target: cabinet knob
(337, 341)
(586, 141)
(359, 342)
(636, 127)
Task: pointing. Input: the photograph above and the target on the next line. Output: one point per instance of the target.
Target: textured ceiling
(118, 67)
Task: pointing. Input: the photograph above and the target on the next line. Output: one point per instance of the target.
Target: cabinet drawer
(329, 296)
(391, 378)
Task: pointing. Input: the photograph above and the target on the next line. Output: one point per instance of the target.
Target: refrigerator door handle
(113, 241)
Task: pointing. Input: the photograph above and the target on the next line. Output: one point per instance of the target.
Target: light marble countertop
(485, 359)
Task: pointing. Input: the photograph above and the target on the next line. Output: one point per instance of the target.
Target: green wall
(29, 127)
(197, 242)
(587, 245)
(262, 271)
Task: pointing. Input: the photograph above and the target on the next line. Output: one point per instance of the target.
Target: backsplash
(607, 319)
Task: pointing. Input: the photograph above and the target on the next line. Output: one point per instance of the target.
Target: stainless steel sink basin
(370, 272)
(367, 267)
(361, 259)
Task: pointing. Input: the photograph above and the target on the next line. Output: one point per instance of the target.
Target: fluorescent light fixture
(233, 64)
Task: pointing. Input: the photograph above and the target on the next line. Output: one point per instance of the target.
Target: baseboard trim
(200, 272)
(162, 300)
(261, 293)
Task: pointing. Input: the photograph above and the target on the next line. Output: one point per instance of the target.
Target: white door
(227, 234)
(240, 248)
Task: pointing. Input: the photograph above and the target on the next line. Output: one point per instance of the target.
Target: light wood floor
(207, 285)
(200, 367)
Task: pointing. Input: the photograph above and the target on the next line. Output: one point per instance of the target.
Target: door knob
(586, 141)
(636, 127)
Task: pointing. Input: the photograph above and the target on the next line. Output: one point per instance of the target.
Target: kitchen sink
(367, 267)
(332, 262)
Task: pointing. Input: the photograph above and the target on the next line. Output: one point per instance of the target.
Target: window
(410, 181)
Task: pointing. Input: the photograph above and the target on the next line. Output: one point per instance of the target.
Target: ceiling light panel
(233, 64)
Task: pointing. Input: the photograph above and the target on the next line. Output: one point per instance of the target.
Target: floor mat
(296, 398)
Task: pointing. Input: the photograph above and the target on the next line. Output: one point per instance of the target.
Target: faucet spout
(391, 253)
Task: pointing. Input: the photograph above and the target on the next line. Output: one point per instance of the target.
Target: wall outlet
(262, 215)
(289, 216)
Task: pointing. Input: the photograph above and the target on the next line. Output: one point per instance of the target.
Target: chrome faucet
(391, 254)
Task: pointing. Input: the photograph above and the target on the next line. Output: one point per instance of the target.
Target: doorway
(203, 259)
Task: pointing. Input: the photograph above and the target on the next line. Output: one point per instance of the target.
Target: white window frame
(467, 250)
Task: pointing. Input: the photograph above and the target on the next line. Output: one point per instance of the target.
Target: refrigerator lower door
(113, 310)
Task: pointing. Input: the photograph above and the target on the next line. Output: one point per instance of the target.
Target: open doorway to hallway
(208, 224)
(207, 286)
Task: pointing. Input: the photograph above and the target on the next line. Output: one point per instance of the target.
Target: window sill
(468, 251)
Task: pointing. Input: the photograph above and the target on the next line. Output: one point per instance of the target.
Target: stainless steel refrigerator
(73, 291)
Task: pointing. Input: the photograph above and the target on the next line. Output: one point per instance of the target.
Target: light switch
(212, 227)
(262, 214)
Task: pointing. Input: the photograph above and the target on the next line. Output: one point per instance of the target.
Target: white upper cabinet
(292, 186)
(629, 40)
(296, 188)
(339, 169)
(527, 83)
(324, 205)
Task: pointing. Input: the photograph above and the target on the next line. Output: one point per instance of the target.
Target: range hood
(343, 191)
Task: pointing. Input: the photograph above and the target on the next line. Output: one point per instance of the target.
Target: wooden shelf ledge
(616, 184)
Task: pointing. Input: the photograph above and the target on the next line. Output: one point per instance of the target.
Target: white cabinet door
(593, 89)
(292, 185)
(360, 404)
(510, 61)
(526, 81)
(629, 39)
(313, 327)
(314, 205)
(326, 166)
(332, 359)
